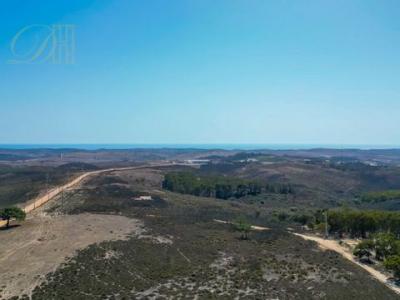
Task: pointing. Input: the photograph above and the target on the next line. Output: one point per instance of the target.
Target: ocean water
(196, 146)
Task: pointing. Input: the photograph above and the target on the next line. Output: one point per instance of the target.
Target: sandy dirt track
(254, 227)
(39, 201)
(333, 245)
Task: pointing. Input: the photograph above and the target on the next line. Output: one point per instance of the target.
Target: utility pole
(326, 224)
(62, 200)
(47, 186)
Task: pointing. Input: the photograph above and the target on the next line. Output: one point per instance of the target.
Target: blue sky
(209, 71)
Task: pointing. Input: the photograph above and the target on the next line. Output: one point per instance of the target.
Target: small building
(143, 198)
(197, 161)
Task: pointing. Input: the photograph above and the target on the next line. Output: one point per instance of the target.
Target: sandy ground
(346, 253)
(254, 227)
(43, 242)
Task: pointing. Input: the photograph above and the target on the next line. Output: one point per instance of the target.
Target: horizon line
(198, 146)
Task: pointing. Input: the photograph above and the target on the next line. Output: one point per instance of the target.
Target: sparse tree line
(219, 186)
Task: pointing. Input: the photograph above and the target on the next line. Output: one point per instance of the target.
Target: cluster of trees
(279, 188)
(363, 223)
(382, 228)
(380, 196)
(304, 219)
(218, 186)
(210, 186)
(384, 247)
(350, 222)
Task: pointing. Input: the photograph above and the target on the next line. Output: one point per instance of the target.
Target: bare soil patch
(254, 227)
(44, 242)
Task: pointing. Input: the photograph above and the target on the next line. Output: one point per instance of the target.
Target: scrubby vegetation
(209, 259)
(205, 259)
(243, 226)
(381, 196)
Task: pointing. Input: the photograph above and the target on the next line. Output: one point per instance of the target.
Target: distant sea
(196, 146)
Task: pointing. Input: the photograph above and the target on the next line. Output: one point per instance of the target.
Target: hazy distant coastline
(197, 146)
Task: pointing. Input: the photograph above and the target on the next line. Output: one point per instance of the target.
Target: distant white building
(197, 161)
(142, 198)
(248, 160)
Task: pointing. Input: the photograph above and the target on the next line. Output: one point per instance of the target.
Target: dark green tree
(392, 263)
(385, 245)
(12, 213)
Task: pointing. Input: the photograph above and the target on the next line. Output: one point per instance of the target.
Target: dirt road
(335, 246)
(254, 227)
(39, 201)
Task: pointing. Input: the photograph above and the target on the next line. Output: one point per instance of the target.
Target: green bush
(364, 249)
(392, 263)
(243, 227)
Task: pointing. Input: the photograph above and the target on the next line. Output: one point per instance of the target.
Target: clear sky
(207, 71)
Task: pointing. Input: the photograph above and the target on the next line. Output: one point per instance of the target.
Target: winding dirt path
(254, 227)
(335, 246)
